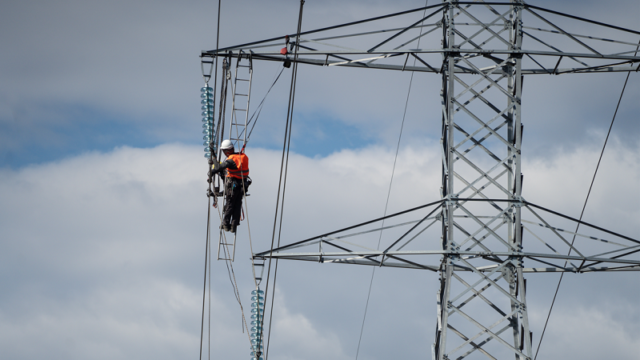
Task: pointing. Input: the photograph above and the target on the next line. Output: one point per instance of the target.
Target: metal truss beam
(371, 55)
(628, 65)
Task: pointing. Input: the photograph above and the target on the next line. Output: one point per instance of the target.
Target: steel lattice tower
(474, 235)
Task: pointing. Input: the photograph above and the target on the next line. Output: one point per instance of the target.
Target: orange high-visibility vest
(242, 164)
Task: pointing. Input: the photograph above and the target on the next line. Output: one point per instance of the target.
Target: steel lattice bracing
(481, 140)
(481, 236)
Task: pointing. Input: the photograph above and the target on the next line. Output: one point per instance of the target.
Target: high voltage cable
(284, 164)
(373, 272)
(258, 110)
(232, 278)
(230, 273)
(204, 290)
(583, 208)
(209, 324)
(207, 260)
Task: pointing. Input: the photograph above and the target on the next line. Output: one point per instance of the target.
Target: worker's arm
(227, 164)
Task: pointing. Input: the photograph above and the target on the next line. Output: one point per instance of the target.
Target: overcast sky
(102, 186)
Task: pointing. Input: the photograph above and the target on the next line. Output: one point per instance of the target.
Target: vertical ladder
(241, 100)
(237, 133)
(228, 248)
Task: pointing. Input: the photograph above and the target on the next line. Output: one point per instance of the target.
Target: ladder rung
(243, 66)
(241, 79)
(241, 94)
(240, 109)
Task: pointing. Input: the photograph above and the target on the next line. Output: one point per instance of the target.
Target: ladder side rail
(229, 248)
(234, 116)
(233, 256)
(246, 117)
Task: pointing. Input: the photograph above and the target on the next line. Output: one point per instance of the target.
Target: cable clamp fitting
(519, 201)
(451, 199)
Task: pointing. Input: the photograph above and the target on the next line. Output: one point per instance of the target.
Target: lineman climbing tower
(479, 234)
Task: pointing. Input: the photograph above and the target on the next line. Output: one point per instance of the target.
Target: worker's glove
(215, 167)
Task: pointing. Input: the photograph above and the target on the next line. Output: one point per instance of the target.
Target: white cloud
(564, 181)
(587, 332)
(101, 255)
(296, 337)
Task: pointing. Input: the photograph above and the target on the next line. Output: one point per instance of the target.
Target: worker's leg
(227, 211)
(237, 205)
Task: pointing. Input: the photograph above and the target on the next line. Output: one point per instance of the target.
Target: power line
(206, 260)
(393, 170)
(284, 166)
(583, 208)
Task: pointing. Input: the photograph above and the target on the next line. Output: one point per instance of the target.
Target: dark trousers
(232, 202)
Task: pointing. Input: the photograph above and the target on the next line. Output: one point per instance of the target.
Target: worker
(236, 184)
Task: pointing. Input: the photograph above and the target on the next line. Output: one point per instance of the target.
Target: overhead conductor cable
(584, 206)
(373, 272)
(284, 165)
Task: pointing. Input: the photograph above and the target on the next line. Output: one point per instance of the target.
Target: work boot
(233, 228)
(225, 227)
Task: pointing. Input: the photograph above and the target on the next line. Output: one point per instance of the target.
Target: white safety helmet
(226, 145)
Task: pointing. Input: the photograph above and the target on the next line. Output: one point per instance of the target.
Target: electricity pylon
(481, 232)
